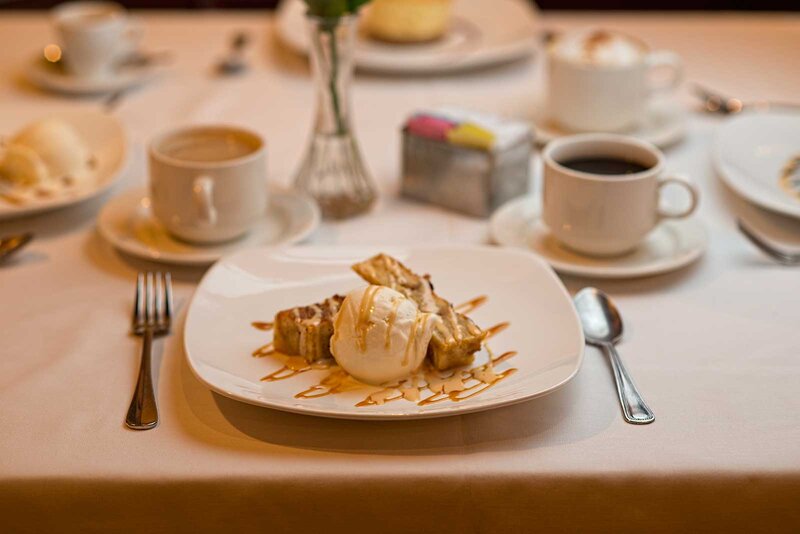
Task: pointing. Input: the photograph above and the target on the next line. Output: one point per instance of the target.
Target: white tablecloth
(715, 348)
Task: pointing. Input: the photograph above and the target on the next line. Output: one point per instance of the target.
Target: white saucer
(750, 151)
(478, 37)
(128, 224)
(48, 77)
(105, 137)
(664, 124)
(672, 245)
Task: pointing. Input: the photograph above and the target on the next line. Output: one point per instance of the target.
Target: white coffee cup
(605, 214)
(208, 184)
(601, 81)
(94, 36)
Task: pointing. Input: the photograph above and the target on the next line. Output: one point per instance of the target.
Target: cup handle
(694, 195)
(203, 192)
(666, 61)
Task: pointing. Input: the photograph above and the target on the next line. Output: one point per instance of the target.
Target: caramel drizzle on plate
(294, 365)
(471, 305)
(455, 386)
(496, 329)
(264, 350)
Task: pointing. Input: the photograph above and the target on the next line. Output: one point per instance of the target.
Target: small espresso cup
(208, 183)
(601, 81)
(595, 212)
(95, 36)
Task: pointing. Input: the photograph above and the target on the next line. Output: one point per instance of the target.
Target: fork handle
(143, 412)
(634, 408)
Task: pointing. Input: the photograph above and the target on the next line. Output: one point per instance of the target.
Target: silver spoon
(714, 102)
(234, 62)
(602, 327)
(11, 244)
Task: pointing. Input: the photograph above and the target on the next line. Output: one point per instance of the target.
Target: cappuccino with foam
(600, 48)
(600, 81)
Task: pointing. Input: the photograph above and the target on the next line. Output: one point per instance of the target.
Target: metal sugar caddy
(465, 161)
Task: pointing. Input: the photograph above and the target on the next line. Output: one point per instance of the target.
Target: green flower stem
(330, 28)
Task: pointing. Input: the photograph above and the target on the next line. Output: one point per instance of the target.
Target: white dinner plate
(105, 137)
(252, 285)
(750, 152)
(127, 222)
(672, 245)
(50, 78)
(663, 125)
(482, 33)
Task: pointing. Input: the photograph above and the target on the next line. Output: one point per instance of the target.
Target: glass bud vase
(333, 172)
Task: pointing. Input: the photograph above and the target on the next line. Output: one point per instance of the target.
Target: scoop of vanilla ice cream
(50, 144)
(23, 166)
(379, 335)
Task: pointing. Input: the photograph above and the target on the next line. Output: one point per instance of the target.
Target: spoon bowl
(601, 321)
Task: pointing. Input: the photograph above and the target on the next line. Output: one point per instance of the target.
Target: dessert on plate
(45, 157)
(384, 331)
(394, 336)
(407, 21)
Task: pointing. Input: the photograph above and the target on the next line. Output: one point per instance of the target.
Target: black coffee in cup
(604, 165)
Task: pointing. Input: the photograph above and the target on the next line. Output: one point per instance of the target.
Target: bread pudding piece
(307, 330)
(455, 338)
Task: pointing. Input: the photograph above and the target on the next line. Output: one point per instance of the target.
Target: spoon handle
(634, 408)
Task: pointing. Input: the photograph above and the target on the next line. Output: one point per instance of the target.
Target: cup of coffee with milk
(601, 80)
(208, 184)
(95, 36)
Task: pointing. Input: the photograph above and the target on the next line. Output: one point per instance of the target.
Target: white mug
(607, 92)
(602, 214)
(208, 184)
(94, 36)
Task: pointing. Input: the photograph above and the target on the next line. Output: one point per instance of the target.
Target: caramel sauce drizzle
(264, 350)
(295, 365)
(336, 382)
(390, 324)
(471, 305)
(455, 386)
(411, 344)
(496, 329)
(365, 311)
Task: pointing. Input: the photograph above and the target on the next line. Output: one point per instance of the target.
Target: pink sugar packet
(429, 126)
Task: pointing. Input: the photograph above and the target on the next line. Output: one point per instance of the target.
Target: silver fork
(782, 256)
(152, 317)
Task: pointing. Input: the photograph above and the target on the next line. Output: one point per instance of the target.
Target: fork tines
(153, 306)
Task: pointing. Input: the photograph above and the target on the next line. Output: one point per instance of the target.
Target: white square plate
(252, 285)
